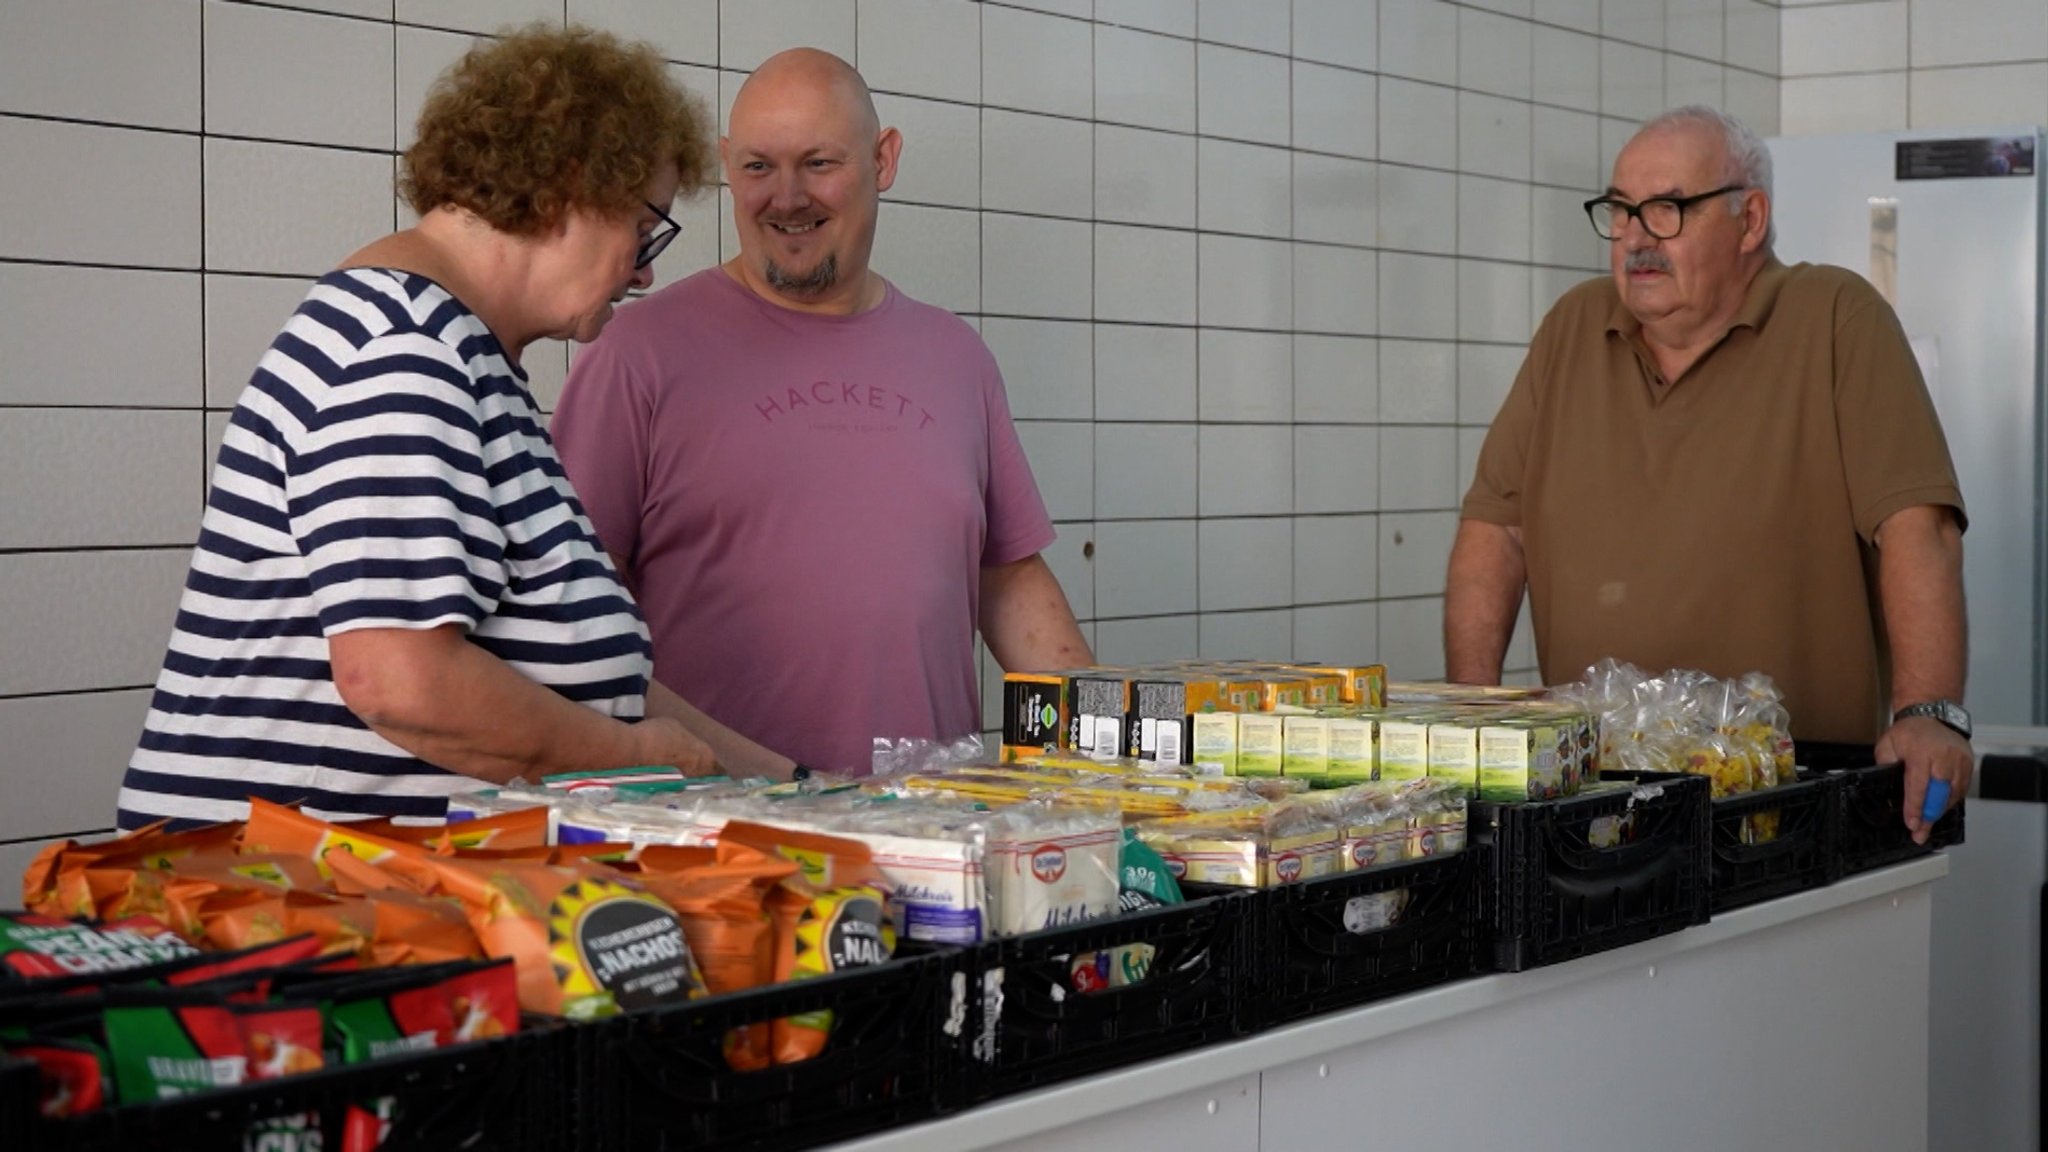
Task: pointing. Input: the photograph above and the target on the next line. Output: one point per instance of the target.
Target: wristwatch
(1948, 712)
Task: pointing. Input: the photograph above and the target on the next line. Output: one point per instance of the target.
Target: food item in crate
(57, 882)
(1454, 750)
(1261, 744)
(165, 1043)
(1354, 750)
(35, 947)
(1526, 758)
(817, 933)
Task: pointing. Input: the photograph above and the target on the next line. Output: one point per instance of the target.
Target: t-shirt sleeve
(1894, 453)
(387, 495)
(600, 430)
(1496, 493)
(1018, 527)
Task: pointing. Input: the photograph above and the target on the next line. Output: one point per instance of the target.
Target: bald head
(811, 83)
(808, 161)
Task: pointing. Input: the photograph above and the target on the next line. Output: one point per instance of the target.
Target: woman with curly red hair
(396, 595)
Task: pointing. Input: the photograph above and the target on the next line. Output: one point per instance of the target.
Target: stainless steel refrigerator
(1948, 224)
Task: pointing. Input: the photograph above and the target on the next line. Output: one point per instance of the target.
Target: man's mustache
(1647, 260)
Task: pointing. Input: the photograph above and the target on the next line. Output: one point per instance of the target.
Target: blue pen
(1936, 802)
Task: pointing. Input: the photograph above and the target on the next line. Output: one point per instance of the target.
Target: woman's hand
(669, 744)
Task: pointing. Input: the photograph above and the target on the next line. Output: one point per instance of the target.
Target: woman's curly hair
(546, 120)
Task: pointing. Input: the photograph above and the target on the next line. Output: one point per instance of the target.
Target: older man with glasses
(1712, 460)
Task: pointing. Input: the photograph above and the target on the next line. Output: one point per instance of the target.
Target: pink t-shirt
(803, 505)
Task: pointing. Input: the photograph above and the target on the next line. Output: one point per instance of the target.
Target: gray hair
(1749, 161)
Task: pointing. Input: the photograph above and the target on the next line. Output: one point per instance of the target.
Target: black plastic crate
(1323, 945)
(493, 1094)
(18, 1093)
(1873, 798)
(1582, 874)
(1035, 1027)
(658, 1079)
(1803, 854)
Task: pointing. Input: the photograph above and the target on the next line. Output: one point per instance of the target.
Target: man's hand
(667, 743)
(1930, 750)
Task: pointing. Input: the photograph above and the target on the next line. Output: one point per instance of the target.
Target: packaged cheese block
(1053, 865)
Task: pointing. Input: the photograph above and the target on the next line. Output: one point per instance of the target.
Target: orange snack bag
(523, 828)
(55, 883)
(722, 903)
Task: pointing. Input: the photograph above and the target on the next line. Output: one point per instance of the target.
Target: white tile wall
(87, 738)
(1257, 271)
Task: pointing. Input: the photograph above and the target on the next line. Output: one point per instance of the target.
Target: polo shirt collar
(1756, 304)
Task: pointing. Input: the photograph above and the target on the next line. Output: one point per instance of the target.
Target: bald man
(809, 479)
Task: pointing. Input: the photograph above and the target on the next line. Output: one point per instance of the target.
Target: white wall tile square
(54, 352)
(942, 152)
(1335, 200)
(1037, 164)
(1145, 373)
(1418, 123)
(1241, 95)
(1493, 136)
(1412, 637)
(1418, 469)
(1329, 631)
(921, 47)
(93, 619)
(1631, 81)
(1752, 33)
(1335, 558)
(1248, 635)
(298, 76)
(1485, 373)
(1144, 568)
(1048, 366)
(243, 316)
(83, 193)
(373, 9)
(1259, 289)
(1336, 380)
(1418, 297)
(423, 54)
(289, 208)
(1688, 81)
(1521, 8)
(1753, 99)
(1694, 27)
(1493, 54)
(1872, 103)
(1173, 17)
(475, 15)
(1565, 68)
(1336, 469)
(1336, 290)
(1144, 79)
(1865, 37)
(1080, 9)
(1977, 31)
(1615, 133)
(1578, 15)
(1145, 275)
(1419, 40)
(933, 254)
(1492, 301)
(1062, 456)
(1562, 234)
(750, 31)
(1418, 209)
(1246, 377)
(120, 61)
(1344, 32)
(99, 478)
(1145, 471)
(1144, 177)
(1414, 549)
(1335, 110)
(1246, 469)
(685, 30)
(1245, 563)
(1258, 24)
(1976, 97)
(1146, 640)
(90, 736)
(1565, 149)
(1244, 188)
(1035, 267)
(1493, 218)
(1636, 21)
(1418, 382)
(1036, 62)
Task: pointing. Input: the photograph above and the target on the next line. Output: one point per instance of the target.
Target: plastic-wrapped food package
(909, 755)
(1735, 732)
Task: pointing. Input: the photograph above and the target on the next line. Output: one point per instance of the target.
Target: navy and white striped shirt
(385, 468)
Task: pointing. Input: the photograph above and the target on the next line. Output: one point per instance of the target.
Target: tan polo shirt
(1723, 522)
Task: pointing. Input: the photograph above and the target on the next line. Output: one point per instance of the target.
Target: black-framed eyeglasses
(1661, 216)
(651, 245)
